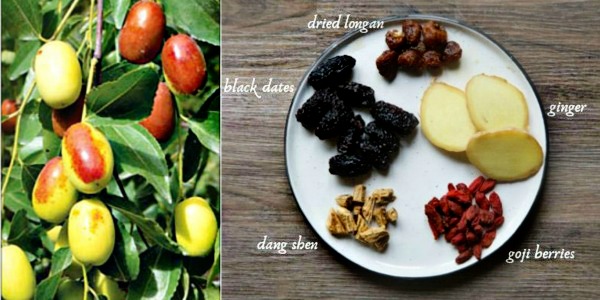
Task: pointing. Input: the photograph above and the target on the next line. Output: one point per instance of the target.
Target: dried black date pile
(329, 113)
(415, 48)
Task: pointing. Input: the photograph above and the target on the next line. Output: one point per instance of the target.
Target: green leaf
(114, 71)
(211, 293)
(22, 18)
(208, 130)
(52, 5)
(30, 123)
(45, 115)
(130, 97)
(31, 144)
(216, 267)
(23, 59)
(29, 82)
(137, 152)
(194, 156)
(50, 141)
(15, 197)
(22, 233)
(51, 144)
(29, 174)
(158, 278)
(197, 17)
(61, 259)
(151, 230)
(119, 8)
(47, 288)
(124, 263)
(5, 228)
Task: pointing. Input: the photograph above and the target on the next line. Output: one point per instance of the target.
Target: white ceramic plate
(420, 171)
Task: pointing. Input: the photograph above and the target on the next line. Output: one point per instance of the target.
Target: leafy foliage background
(146, 261)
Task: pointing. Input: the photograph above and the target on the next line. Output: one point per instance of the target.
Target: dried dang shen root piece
(356, 212)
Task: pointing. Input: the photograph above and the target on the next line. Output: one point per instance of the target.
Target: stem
(180, 163)
(120, 184)
(98, 50)
(86, 285)
(41, 38)
(63, 21)
(16, 141)
(92, 78)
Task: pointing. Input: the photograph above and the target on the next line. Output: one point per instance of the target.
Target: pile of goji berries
(468, 225)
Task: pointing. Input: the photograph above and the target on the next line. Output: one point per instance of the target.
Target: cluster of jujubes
(183, 63)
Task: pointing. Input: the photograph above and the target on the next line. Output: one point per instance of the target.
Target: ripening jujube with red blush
(183, 65)
(142, 34)
(62, 119)
(9, 107)
(53, 194)
(87, 157)
(161, 121)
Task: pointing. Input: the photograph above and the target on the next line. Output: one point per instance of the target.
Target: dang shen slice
(344, 201)
(376, 237)
(347, 219)
(359, 193)
(380, 217)
(367, 209)
(356, 212)
(361, 225)
(334, 224)
(392, 215)
(383, 196)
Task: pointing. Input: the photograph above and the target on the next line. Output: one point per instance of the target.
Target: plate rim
(353, 34)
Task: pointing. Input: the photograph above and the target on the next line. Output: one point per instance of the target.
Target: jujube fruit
(142, 33)
(18, 279)
(195, 226)
(161, 121)
(9, 107)
(91, 232)
(53, 194)
(183, 64)
(106, 286)
(62, 119)
(87, 157)
(57, 74)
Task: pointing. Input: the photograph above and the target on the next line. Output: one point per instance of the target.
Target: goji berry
(464, 256)
(487, 185)
(474, 186)
(496, 203)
